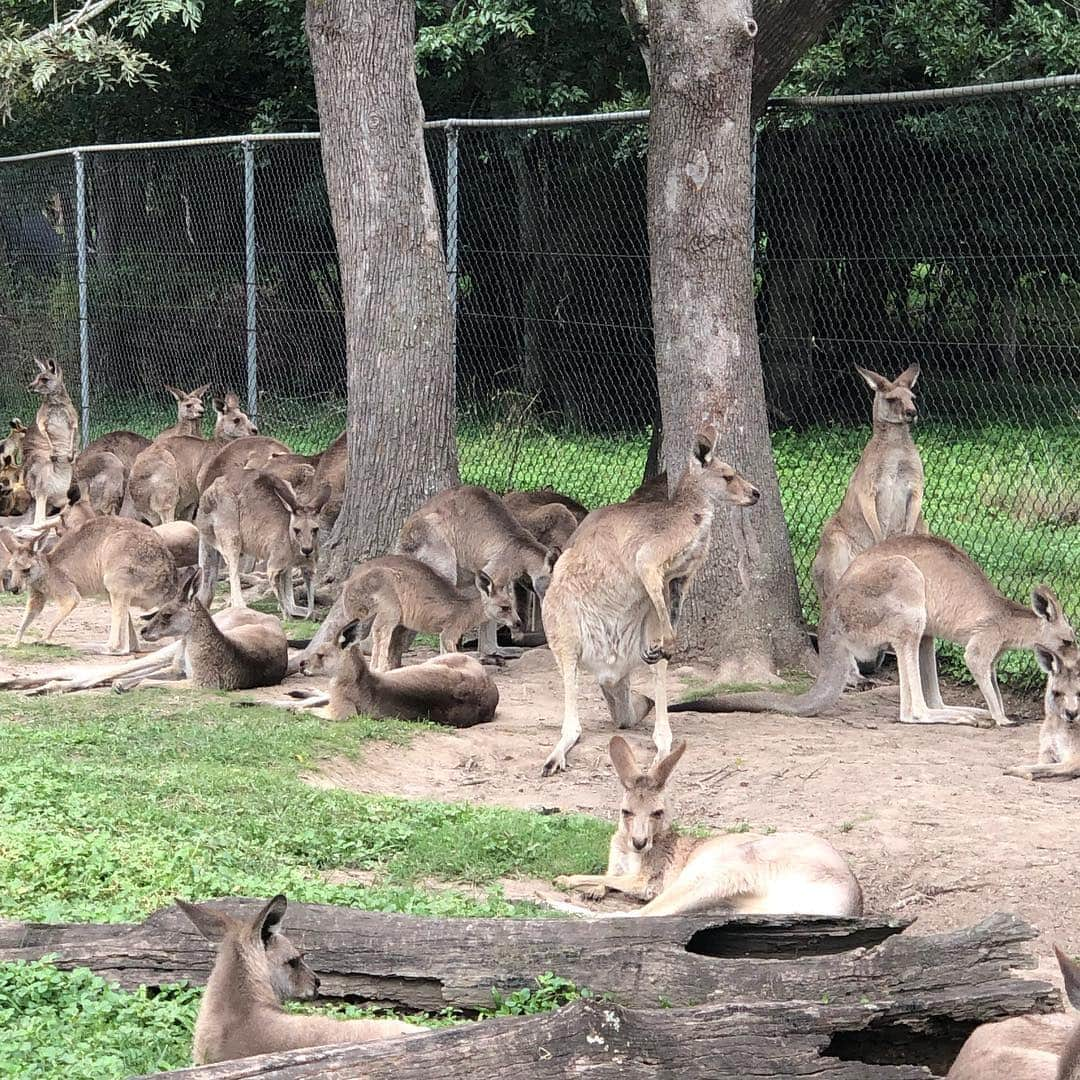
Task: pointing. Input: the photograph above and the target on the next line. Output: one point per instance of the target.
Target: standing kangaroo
(885, 493)
(164, 482)
(467, 531)
(189, 411)
(115, 556)
(257, 968)
(607, 608)
(396, 596)
(453, 690)
(1026, 1047)
(1059, 738)
(905, 592)
(11, 448)
(781, 874)
(51, 442)
(252, 653)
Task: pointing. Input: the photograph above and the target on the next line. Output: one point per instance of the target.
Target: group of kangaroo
(148, 523)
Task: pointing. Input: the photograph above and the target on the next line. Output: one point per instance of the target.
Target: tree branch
(71, 21)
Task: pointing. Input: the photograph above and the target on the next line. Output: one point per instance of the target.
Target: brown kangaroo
(102, 476)
(884, 496)
(189, 411)
(14, 498)
(257, 968)
(253, 453)
(465, 531)
(333, 462)
(607, 607)
(905, 592)
(164, 483)
(51, 442)
(1059, 738)
(1026, 1047)
(123, 559)
(453, 690)
(780, 874)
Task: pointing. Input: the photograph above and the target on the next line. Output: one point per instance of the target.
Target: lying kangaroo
(113, 556)
(396, 596)
(885, 493)
(453, 690)
(257, 968)
(180, 537)
(905, 592)
(253, 653)
(251, 513)
(1059, 738)
(467, 531)
(51, 442)
(781, 874)
(1026, 1047)
(164, 479)
(606, 609)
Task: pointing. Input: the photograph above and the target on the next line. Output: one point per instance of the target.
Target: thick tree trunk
(393, 272)
(744, 608)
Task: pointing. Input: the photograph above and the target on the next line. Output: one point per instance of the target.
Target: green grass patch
(36, 651)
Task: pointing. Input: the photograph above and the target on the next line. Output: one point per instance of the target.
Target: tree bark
(707, 363)
(393, 271)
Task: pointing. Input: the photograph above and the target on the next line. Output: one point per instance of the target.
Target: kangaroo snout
(1071, 715)
(755, 494)
(640, 843)
(911, 413)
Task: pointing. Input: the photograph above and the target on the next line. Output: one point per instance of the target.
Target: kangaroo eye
(657, 814)
(627, 815)
(295, 961)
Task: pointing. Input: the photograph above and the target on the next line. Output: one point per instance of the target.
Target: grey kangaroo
(257, 968)
(51, 442)
(905, 592)
(1059, 738)
(617, 590)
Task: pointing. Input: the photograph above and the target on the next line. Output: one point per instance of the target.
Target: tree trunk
(393, 271)
(708, 369)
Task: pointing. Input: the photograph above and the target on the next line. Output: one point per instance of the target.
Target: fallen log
(605, 1042)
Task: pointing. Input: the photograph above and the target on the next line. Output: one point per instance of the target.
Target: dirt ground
(932, 827)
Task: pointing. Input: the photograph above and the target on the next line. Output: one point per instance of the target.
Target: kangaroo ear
(219, 405)
(872, 379)
(283, 491)
(704, 444)
(178, 394)
(201, 391)
(622, 757)
(1047, 660)
(661, 772)
(213, 925)
(1045, 604)
(908, 376)
(484, 583)
(190, 582)
(39, 541)
(74, 493)
(348, 634)
(1071, 970)
(551, 559)
(52, 366)
(8, 540)
(268, 922)
(17, 426)
(322, 497)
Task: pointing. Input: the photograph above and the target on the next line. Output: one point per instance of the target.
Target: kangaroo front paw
(1007, 721)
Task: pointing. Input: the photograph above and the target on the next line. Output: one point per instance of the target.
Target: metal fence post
(249, 277)
(452, 230)
(84, 318)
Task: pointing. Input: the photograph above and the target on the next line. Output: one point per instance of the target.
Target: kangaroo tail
(825, 692)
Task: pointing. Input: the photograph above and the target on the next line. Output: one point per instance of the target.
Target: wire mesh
(944, 232)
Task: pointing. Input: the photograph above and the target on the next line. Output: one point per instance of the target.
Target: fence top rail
(943, 93)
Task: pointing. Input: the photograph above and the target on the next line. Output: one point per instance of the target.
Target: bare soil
(928, 820)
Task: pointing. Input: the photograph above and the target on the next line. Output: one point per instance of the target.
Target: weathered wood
(601, 1041)
(424, 963)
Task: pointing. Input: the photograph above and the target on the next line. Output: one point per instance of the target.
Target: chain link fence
(942, 229)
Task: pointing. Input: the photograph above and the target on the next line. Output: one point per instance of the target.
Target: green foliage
(551, 992)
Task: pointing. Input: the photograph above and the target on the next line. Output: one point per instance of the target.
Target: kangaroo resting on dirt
(1043, 1047)
(905, 592)
(256, 969)
(1059, 738)
(781, 874)
(51, 442)
(885, 493)
(453, 690)
(617, 590)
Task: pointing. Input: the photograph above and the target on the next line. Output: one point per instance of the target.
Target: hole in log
(931, 1041)
(735, 941)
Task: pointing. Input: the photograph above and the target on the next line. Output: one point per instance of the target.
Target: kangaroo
(252, 654)
(453, 690)
(164, 479)
(254, 453)
(126, 446)
(1059, 738)
(905, 592)
(257, 514)
(884, 496)
(180, 537)
(551, 523)
(103, 477)
(11, 448)
(395, 596)
(782, 874)
(114, 556)
(256, 969)
(468, 530)
(524, 501)
(607, 607)
(1026, 1047)
(189, 411)
(333, 463)
(14, 498)
(51, 442)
